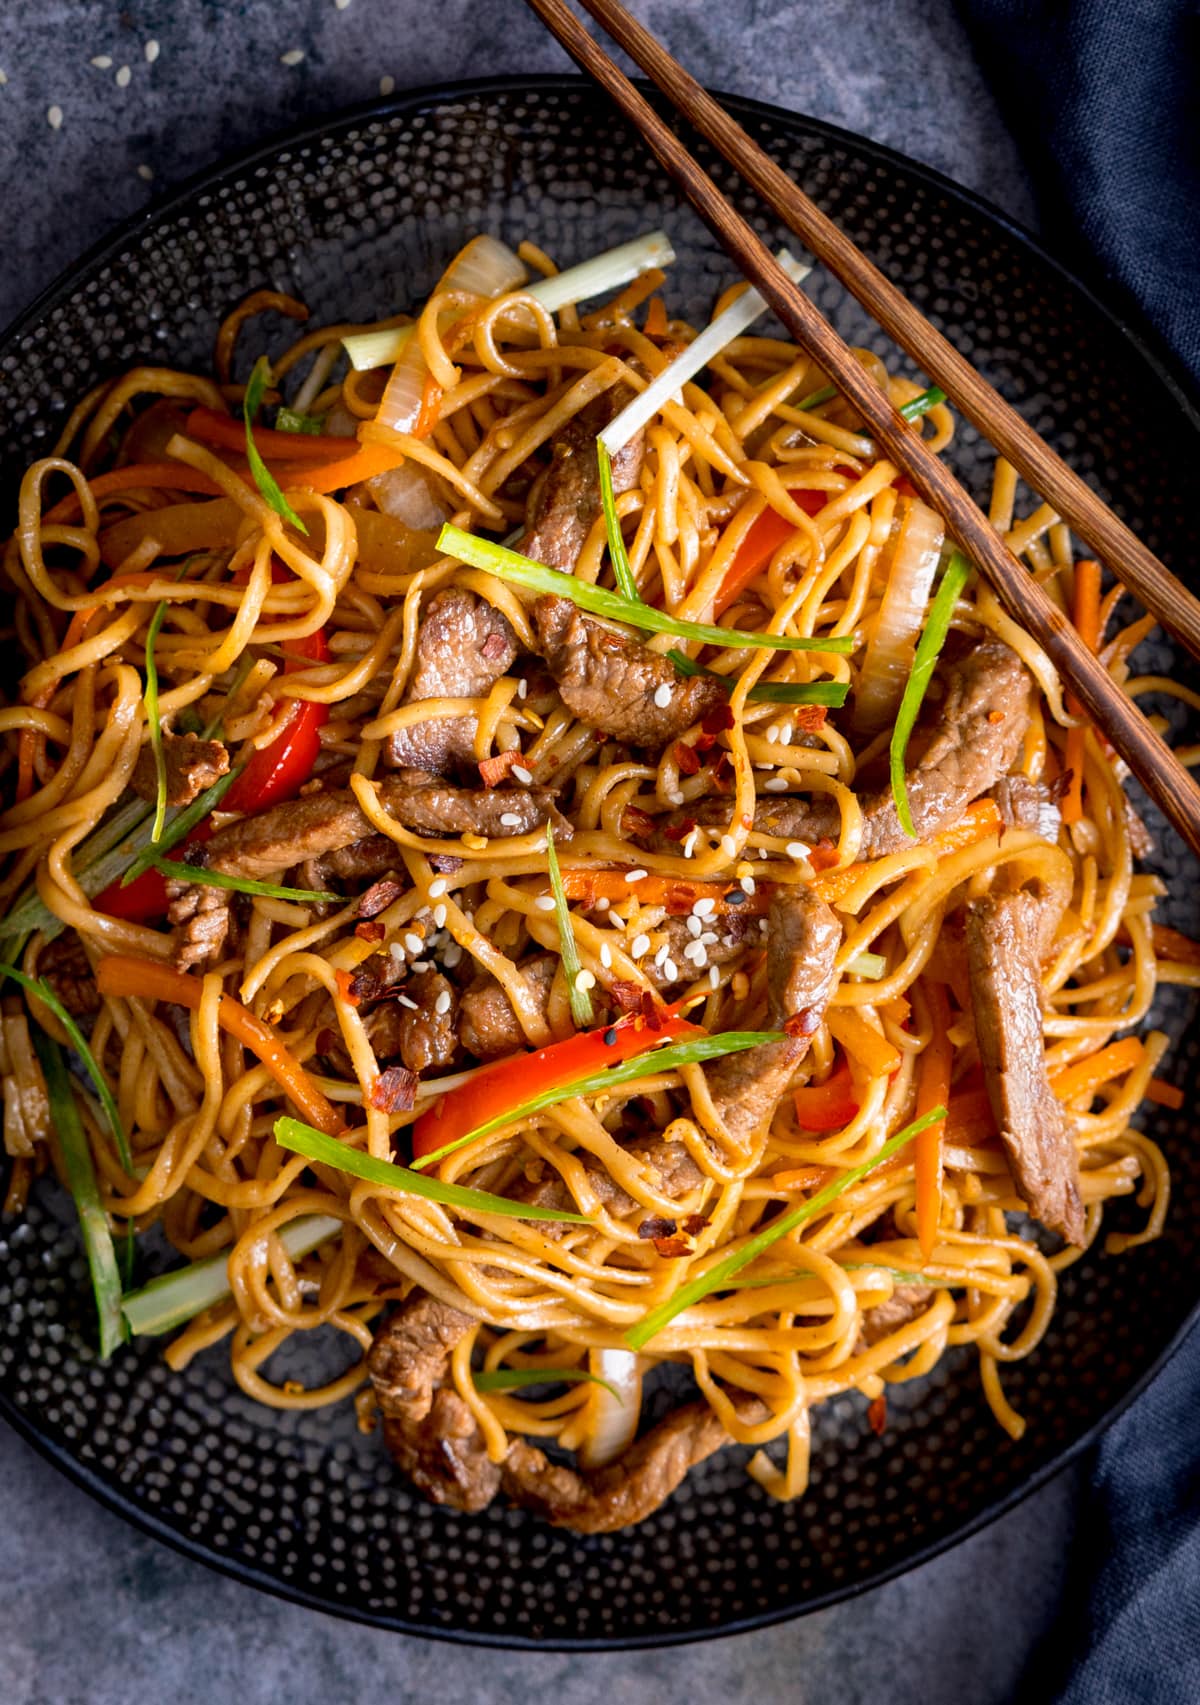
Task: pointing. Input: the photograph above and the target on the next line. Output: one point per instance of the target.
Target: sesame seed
(152, 51)
(387, 85)
(775, 784)
(102, 62)
(670, 970)
(437, 888)
(146, 173)
(413, 942)
(544, 902)
(123, 77)
(521, 774)
(585, 980)
(709, 937)
(703, 908)
(522, 688)
(422, 965)
(636, 875)
(602, 904)
(293, 56)
(696, 952)
(442, 1004)
(729, 846)
(660, 958)
(797, 849)
(606, 956)
(406, 1000)
(785, 734)
(675, 796)
(641, 944)
(773, 734)
(439, 916)
(662, 696)
(714, 977)
(689, 846)
(747, 883)
(452, 956)
(54, 118)
(694, 926)
(510, 820)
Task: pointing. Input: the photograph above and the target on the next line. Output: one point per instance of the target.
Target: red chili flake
(394, 1090)
(656, 1227)
(803, 1023)
(651, 1011)
(694, 1224)
(493, 647)
(636, 824)
(723, 773)
(686, 759)
(371, 929)
(704, 742)
(628, 996)
(810, 717)
(495, 769)
(372, 979)
(877, 1415)
(679, 831)
(823, 855)
(446, 864)
(345, 984)
(672, 1248)
(718, 720)
(378, 897)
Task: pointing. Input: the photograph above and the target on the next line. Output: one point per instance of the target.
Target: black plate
(357, 217)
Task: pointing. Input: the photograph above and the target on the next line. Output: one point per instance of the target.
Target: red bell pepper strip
(280, 770)
(226, 433)
(763, 538)
(827, 1106)
(508, 1083)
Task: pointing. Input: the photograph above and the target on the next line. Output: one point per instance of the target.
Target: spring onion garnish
(182, 824)
(287, 420)
(667, 1059)
(243, 884)
(825, 395)
(712, 340)
(518, 570)
(509, 1379)
(919, 405)
(833, 693)
(314, 1145)
(895, 1273)
(81, 1180)
(174, 1298)
(40, 987)
(264, 479)
(580, 999)
(154, 723)
(718, 1276)
(869, 965)
(933, 637)
(622, 567)
(366, 350)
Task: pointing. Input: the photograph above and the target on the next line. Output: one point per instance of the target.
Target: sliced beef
(362, 861)
(490, 1027)
(321, 823)
(730, 932)
(464, 647)
(191, 766)
(615, 683)
(674, 1171)
(429, 1430)
(67, 969)
(905, 1303)
(1002, 932)
(802, 941)
(428, 1036)
(968, 742)
(566, 501)
(1025, 804)
(201, 918)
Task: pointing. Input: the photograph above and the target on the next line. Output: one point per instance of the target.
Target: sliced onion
(612, 1422)
(407, 494)
(485, 268)
(911, 566)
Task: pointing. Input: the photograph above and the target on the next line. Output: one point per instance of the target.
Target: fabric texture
(1103, 97)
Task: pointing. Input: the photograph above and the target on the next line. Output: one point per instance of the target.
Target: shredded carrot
(1086, 1077)
(863, 1043)
(345, 982)
(1173, 944)
(763, 538)
(1087, 623)
(174, 476)
(1127, 641)
(362, 464)
(144, 979)
(898, 1010)
(933, 1090)
(978, 821)
(801, 1178)
(1164, 1094)
(431, 402)
(656, 318)
(587, 886)
(209, 427)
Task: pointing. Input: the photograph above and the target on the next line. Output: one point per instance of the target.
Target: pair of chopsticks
(1150, 759)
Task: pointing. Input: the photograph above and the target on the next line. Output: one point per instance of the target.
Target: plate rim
(1170, 371)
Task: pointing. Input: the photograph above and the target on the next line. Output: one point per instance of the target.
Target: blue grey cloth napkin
(1104, 98)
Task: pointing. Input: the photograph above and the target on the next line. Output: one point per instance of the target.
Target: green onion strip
(264, 479)
(933, 637)
(580, 999)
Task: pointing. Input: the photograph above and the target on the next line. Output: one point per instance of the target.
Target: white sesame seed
(54, 118)
(675, 796)
(509, 820)
(585, 980)
(102, 62)
(797, 849)
(602, 904)
(696, 952)
(714, 977)
(689, 845)
(123, 77)
(146, 173)
(387, 85)
(405, 1000)
(437, 888)
(413, 942)
(670, 970)
(662, 696)
(747, 884)
(729, 846)
(521, 774)
(422, 964)
(452, 956)
(636, 875)
(544, 902)
(293, 56)
(694, 926)
(439, 916)
(641, 944)
(396, 952)
(152, 51)
(606, 955)
(660, 958)
(522, 688)
(709, 937)
(704, 907)
(773, 734)
(785, 734)
(775, 784)
(442, 1004)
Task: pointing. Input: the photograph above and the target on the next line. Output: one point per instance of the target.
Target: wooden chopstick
(1151, 760)
(1109, 538)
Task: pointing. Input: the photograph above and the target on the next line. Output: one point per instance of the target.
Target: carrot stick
(1173, 944)
(1164, 1094)
(933, 1090)
(1088, 1076)
(1087, 624)
(174, 476)
(222, 430)
(656, 318)
(863, 1043)
(362, 464)
(978, 821)
(145, 979)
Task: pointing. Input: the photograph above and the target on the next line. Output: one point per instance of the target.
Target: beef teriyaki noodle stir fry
(534, 853)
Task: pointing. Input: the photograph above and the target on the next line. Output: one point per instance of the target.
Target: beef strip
(968, 742)
(191, 766)
(362, 861)
(1006, 998)
(802, 940)
(732, 932)
(905, 1303)
(201, 917)
(68, 970)
(490, 1027)
(320, 823)
(464, 646)
(1025, 804)
(566, 501)
(614, 683)
(674, 1174)
(428, 1038)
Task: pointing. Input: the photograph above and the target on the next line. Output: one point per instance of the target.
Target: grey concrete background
(93, 1612)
